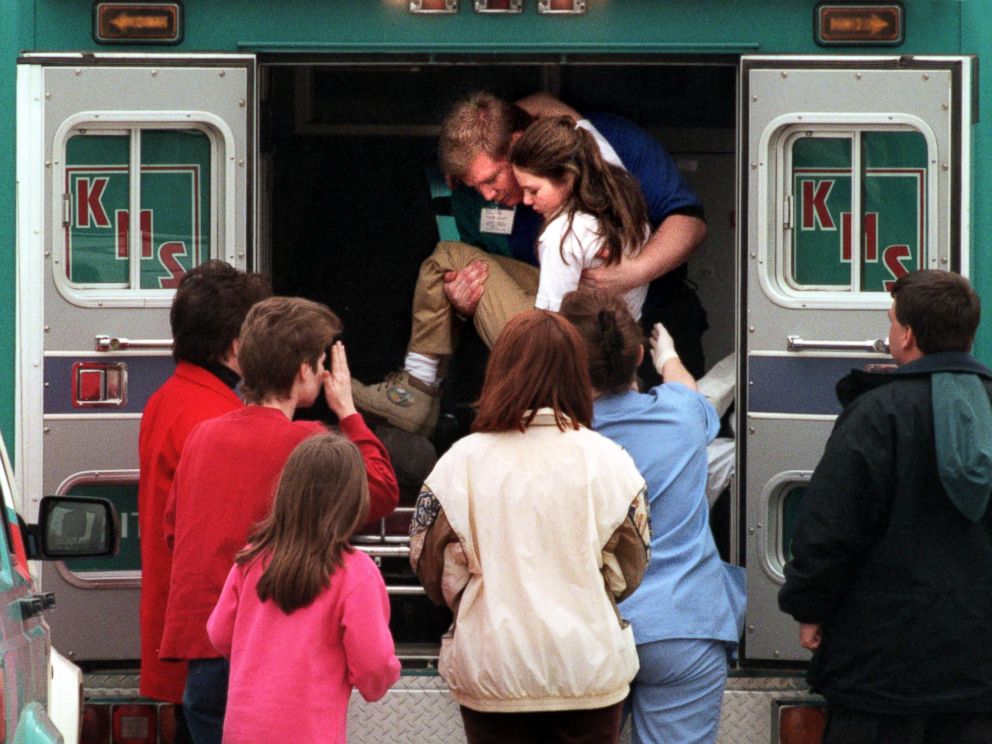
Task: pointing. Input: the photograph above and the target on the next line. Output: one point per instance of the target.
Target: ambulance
(834, 145)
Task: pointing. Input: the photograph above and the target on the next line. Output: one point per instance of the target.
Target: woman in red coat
(207, 312)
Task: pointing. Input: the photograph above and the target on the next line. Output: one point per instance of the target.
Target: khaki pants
(511, 288)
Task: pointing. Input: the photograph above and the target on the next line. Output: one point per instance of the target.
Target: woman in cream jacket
(531, 529)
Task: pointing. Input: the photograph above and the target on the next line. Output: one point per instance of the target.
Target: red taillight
(801, 724)
(166, 724)
(3, 709)
(96, 725)
(135, 724)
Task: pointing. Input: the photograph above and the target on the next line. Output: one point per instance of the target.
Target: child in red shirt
(303, 616)
(228, 472)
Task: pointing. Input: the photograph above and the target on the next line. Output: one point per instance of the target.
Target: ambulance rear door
(132, 169)
(854, 171)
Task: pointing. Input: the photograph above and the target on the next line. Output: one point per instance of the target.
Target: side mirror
(74, 527)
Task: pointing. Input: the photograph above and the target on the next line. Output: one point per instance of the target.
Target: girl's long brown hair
(321, 500)
(538, 361)
(555, 149)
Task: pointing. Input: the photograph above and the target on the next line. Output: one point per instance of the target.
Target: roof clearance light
(433, 6)
(137, 23)
(562, 7)
(847, 25)
(499, 6)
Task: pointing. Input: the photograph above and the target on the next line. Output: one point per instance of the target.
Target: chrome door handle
(877, 345)
(384, 551)
(403, 590)
(117, 343)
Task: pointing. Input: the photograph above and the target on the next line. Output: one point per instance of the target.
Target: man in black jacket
(891, 574)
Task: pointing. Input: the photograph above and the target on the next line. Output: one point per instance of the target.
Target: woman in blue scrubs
(688, 612)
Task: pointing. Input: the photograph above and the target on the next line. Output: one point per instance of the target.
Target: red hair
(538, 361)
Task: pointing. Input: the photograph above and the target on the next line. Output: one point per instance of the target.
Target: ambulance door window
(131, 229)
(855, 182)
(175, 188)
(780, 503)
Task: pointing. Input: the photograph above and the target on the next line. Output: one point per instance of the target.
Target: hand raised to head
(337, 383)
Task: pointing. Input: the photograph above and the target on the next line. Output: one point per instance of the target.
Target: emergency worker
(207, 311)
(496, 226)
(688, 612)
(891, 569)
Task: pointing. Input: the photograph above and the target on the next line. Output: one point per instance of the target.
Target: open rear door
(131, 170)
(854, 170)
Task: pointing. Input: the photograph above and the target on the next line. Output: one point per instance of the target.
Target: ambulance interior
(350, 203)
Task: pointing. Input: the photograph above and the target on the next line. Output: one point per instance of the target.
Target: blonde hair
(555, 149)
(321, 501)
(480, 123)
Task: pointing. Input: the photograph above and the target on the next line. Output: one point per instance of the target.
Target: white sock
(422, 366)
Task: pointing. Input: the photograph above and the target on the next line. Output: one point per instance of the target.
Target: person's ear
(640, 355)
(909, 340)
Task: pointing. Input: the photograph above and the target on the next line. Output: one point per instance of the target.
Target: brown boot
(404, 401)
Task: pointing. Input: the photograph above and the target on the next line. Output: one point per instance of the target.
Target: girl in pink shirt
(303, 616)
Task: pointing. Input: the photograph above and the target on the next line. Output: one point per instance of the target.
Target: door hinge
(35, 604)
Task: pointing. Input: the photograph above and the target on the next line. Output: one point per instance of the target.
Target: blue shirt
(687, 590)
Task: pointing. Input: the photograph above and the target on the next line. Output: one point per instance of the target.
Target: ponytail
(556, 149)
(611, 335)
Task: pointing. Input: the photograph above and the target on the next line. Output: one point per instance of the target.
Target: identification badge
(496, 220)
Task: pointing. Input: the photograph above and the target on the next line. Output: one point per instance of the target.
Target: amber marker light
(846, 25)
(137, 23)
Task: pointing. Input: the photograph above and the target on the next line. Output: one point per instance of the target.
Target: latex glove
(662, 347)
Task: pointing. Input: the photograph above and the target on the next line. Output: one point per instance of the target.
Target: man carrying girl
(593, 213)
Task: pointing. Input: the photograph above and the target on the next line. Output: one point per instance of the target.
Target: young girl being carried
(594, 211)
(303, 616)
(594, 214)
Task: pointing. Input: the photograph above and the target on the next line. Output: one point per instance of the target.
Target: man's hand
(669, 247)
(337, 383)
(464, 288)
(809, 636)
(615, 279)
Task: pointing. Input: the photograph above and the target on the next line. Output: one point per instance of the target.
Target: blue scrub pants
(675, 697)
(205, 699)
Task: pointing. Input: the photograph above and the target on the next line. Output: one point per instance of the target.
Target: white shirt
(558, 276)
(562, 262)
